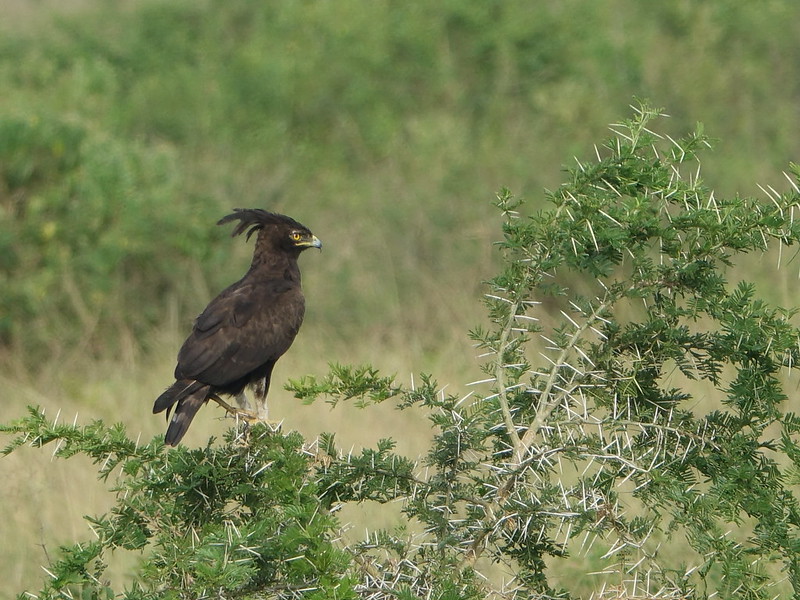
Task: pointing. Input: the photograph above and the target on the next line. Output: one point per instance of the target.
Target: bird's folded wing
(239, 331)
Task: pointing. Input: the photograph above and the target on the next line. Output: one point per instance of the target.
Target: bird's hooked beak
(314, 242)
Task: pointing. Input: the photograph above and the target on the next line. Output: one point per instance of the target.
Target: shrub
(610, 317)
(92, 237)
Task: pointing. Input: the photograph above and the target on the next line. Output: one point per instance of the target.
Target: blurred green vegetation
(128, 128)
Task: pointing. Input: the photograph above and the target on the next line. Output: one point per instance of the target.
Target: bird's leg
(260, 389)
(248, 416)
(239, 413)
(243, 402)
(260, 393)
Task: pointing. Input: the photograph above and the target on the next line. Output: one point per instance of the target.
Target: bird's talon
(247, 417)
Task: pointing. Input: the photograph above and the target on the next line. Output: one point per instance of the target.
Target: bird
(236, 341)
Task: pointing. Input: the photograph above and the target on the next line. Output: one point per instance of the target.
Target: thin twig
(500, 376)
(546, 404)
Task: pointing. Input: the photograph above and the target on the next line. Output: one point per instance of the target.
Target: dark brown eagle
(237, 339)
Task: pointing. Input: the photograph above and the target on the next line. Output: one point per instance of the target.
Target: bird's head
(278, 231)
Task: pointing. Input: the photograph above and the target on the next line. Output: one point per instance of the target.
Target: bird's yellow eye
(296, 236)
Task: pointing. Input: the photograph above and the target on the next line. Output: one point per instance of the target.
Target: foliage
(236, 520)
(609, 309)
(87, 219)
(609, 306)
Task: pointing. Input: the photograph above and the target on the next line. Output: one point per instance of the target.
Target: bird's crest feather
(254, 219)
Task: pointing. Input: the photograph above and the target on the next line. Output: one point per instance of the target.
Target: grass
(386, 128)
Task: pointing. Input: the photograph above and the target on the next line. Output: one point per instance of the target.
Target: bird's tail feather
(187, 396)
(184, 413)
(174, 393)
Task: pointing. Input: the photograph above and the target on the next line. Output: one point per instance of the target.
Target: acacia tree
(585, 437)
